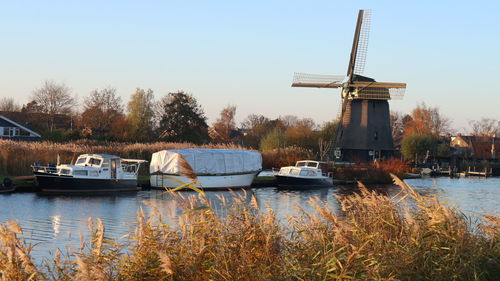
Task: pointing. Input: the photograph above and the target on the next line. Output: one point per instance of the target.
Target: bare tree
(225, 125)
(101, 110)
(485, 127)
(397, 126)
(8, 104)
(52, 99)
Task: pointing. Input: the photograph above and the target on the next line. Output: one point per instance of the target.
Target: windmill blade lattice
(317, 78)
(364, 35)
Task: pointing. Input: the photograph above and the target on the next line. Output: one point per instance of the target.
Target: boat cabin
(307, 168)
(102, 166)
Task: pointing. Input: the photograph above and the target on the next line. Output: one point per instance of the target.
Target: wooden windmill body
(364, 133)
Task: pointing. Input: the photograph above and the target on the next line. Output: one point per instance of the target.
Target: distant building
(40, 122)
(15, 131)
(476, 147)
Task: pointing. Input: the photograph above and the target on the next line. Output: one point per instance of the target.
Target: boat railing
(131, 165)
(50, 168)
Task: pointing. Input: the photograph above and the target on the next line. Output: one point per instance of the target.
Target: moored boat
(90, 173)
(214, 169)
(305, 174)
(7, 186)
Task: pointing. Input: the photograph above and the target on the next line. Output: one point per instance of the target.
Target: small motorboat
(210, 169)
(7, 186)
(90, 173)
(305, 174)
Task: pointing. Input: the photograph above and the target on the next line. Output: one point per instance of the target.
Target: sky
(244, 53)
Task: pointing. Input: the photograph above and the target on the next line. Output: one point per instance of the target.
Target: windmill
(364, 133)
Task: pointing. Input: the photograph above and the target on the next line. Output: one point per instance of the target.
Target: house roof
(20, 126)
(39, 121)
(481, 146)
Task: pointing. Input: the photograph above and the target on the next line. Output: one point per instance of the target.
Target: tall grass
(374, 237)
(17, 157)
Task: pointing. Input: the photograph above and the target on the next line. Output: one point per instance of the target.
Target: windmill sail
(362, 48)
(317, 80)
(359, 44)
(364, 131)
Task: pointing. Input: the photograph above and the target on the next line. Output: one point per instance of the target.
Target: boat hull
(68, 184)
(216, 182)
(301, 182)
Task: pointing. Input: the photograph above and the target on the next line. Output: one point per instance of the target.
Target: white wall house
(12, 130)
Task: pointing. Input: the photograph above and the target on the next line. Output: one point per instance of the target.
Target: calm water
(57, 221)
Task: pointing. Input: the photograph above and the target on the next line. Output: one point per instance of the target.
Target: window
(64, 171)
(312, 164)
(11, 131)
(95, 162)
(80, 172)
(81, 161)
(300, 164)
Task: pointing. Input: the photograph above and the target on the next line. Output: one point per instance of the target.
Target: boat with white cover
(90, 173)
(215, 169)
(305, 174)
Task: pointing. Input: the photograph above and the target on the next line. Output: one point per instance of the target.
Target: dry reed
(373, 237)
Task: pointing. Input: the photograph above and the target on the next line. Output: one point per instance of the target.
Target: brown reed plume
(372, 237)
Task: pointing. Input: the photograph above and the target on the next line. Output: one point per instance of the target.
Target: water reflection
(56, 221)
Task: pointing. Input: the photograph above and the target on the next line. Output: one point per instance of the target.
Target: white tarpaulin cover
(206, 161)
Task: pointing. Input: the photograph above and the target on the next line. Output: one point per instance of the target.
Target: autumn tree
(256, 126)
(426, 120)
(8, 104)
(140, 115)
(52, 99)
(486, 127)
(302, 133)
(225, 125)
(181, 119)
(102, 108)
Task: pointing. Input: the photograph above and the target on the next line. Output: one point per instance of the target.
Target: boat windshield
(95, 162)
(301, 164)
(81, 161)
(312, 164)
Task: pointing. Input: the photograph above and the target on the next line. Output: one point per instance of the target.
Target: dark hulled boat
(305, 174)
(90, 173)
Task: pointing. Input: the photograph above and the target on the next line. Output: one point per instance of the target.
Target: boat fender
(7, 182)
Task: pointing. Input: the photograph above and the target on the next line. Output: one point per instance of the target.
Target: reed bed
(17, 157)
(373, 237)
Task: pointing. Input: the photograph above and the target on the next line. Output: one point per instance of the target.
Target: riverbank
(371, 237)
(16, 158)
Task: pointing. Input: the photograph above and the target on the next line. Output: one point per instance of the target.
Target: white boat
(90, 173)
(215, 169)
(305, 174)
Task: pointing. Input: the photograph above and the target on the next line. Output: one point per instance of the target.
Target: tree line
(178, 117)
(175, 117)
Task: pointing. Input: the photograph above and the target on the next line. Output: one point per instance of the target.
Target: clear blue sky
(244, 54)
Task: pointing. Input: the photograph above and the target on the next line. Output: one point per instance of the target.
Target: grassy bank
(17, 157)
(374, 238)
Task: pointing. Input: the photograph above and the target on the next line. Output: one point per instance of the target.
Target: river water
(57, 221)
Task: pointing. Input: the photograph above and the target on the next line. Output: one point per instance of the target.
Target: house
(15, 131)
(476, 147)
